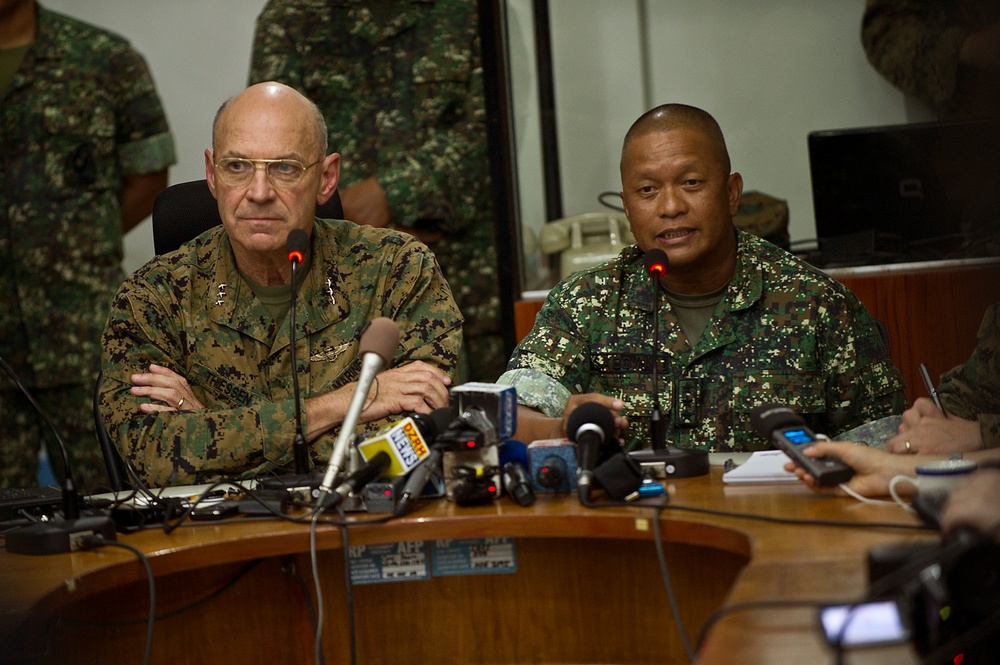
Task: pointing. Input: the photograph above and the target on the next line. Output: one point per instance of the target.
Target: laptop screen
(916, 192)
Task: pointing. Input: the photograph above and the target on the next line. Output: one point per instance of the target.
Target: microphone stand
(300, 449)
(298, 245)
(71, 532)
(664, 461)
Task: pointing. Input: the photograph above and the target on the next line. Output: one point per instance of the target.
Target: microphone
(407, 442)
(790, 434)
(56, 536)
(377, 346)
(514, 472)
(417, 480)
(297, 244)
(366, 473)
(662, 459)
(589, 427)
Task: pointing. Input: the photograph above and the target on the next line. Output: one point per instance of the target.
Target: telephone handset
(585, 240)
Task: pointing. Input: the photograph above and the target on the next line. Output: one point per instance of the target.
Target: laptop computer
(902, 193)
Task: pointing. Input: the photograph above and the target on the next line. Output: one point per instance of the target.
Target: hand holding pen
(931, 389)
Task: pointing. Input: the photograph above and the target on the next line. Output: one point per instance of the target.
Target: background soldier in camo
(84, 149)
(400, 85)
(946, 53)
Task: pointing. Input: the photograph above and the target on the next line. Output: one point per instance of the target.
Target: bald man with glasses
(198, 376)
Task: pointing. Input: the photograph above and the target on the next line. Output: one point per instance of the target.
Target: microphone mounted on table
(377, 346)
(661, 459)
(298, 246)
(57, 535)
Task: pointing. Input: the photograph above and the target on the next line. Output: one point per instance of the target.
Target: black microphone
(655, 261)
(513, 462)
(589, 426)
(297, 245)
(366, 473)
(661, 459)
(56, 536)
(417, 480)
(377, 346)
(790, 434)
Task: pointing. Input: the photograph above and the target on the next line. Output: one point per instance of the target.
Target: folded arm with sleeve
(192, 313)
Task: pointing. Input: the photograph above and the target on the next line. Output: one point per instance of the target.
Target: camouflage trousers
(71, 411)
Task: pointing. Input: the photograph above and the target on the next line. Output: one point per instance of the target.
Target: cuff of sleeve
(148, 155)
(537, 390)
(412, 198)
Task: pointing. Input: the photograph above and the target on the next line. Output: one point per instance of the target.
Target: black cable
(726, 610)
(794, 520)
(294, 572)
(180, 610)
(614, 206)
(95, 541)
(349, 586)
(671, 596)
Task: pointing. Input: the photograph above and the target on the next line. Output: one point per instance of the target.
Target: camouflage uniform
(915, 45)
(404, 104)
(783, 332)
(191, 311)
(972, 390)
(80, 114)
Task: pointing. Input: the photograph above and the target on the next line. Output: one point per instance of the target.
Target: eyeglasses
(282, 173)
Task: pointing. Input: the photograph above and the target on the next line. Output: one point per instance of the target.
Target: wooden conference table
(587, 585)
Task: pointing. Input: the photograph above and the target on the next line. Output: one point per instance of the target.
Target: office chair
(117, 471)
(186, 210)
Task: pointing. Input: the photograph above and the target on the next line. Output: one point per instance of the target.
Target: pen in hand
(931, 389)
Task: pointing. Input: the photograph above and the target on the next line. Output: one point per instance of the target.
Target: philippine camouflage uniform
(972, 390)
(191, 311)
(404, 104)
(915, 45)
(80, 114)
(783, 332)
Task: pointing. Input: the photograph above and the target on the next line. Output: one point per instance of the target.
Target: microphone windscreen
(591, 413)
(297, 245)
(767, 418)
(381, 337)
(655, 261)
(513, 451)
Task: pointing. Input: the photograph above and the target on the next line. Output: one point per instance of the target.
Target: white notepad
(764, 466)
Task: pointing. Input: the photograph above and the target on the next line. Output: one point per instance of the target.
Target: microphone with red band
(377, 346)
(297, 244)
(663, 460)
(655, 261)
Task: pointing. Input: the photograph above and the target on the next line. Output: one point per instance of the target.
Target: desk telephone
(585, 240)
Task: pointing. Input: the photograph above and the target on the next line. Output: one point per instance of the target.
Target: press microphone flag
(377, 346)
(405, 442)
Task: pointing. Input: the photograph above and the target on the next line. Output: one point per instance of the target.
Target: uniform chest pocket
(78, 140)
(803, 392)
(441, 87)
